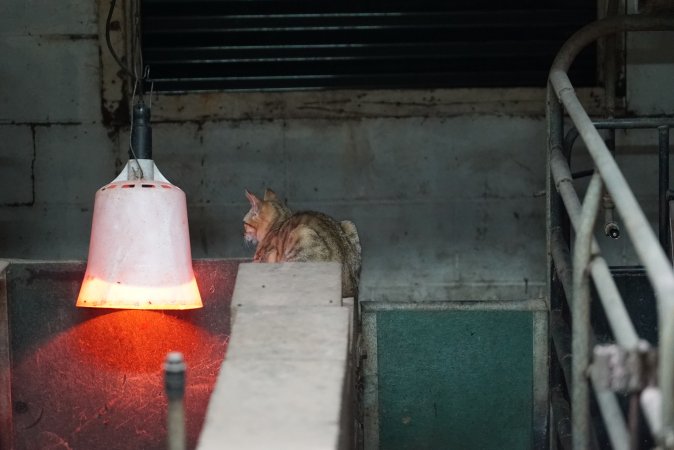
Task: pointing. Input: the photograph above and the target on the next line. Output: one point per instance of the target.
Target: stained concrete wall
(448, 205)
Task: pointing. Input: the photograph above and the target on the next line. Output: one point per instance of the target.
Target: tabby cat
(282, 235)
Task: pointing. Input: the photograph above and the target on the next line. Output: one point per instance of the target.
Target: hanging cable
(136, 56)
(136, 59)
(109, 43)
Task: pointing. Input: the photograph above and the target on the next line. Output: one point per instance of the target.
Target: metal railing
(657, 400)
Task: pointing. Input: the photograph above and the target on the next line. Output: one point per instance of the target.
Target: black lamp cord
(137, 59)
(109, 43)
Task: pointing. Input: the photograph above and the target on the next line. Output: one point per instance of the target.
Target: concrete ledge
(285, 382)
(288, 284)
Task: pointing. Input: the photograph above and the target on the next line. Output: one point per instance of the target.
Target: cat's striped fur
(282, 235)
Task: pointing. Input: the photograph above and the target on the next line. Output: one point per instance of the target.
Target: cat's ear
(269, 195)
(254, 201)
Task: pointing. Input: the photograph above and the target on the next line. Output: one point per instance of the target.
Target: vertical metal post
(666, 318)
(561, 413)
(174, 377)
(580, 316)
(663, 188)
(610, 62)
(555, 129)
(611, 228)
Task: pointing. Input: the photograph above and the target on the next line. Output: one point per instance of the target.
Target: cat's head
(263, 214)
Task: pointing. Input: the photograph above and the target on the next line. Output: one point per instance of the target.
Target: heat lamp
(139, 251)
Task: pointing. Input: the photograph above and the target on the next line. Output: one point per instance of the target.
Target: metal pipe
(561, 338)
(666, 376)
(580, 316)
(633, 123)
(611, 228)
(560, 335)
(663, 125)
(559, 250)
(174, 377)
(645, 242)
(633, 418)
(612, 303)
(636, 123)
(569, 140)
(663, 188)
(582, 174)
(651, 405)
(553, 214)
(590, 33)
(561, 413)
(610, 63)
(612, 415)
(646, 245)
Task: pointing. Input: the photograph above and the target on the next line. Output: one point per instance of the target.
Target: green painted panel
(455, 379)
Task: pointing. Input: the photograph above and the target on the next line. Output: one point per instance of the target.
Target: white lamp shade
(139, 253)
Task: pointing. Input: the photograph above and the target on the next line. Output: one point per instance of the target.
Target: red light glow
(100, 384)
(135, 342)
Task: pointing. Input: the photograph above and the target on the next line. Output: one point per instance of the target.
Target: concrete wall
(447, 198)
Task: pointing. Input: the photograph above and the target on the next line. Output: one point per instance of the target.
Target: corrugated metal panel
(279, 44)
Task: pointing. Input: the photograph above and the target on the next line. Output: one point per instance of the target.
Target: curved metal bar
(580, 316)
(614, 307)
(646, 245)
(590, 33)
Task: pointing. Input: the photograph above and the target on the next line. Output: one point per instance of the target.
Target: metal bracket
(611, 227)
(624, 371)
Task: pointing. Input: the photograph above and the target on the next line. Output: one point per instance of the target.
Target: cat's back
(314, 236)
(318, 236)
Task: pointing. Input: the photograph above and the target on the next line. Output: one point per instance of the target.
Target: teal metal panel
(455, 379)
